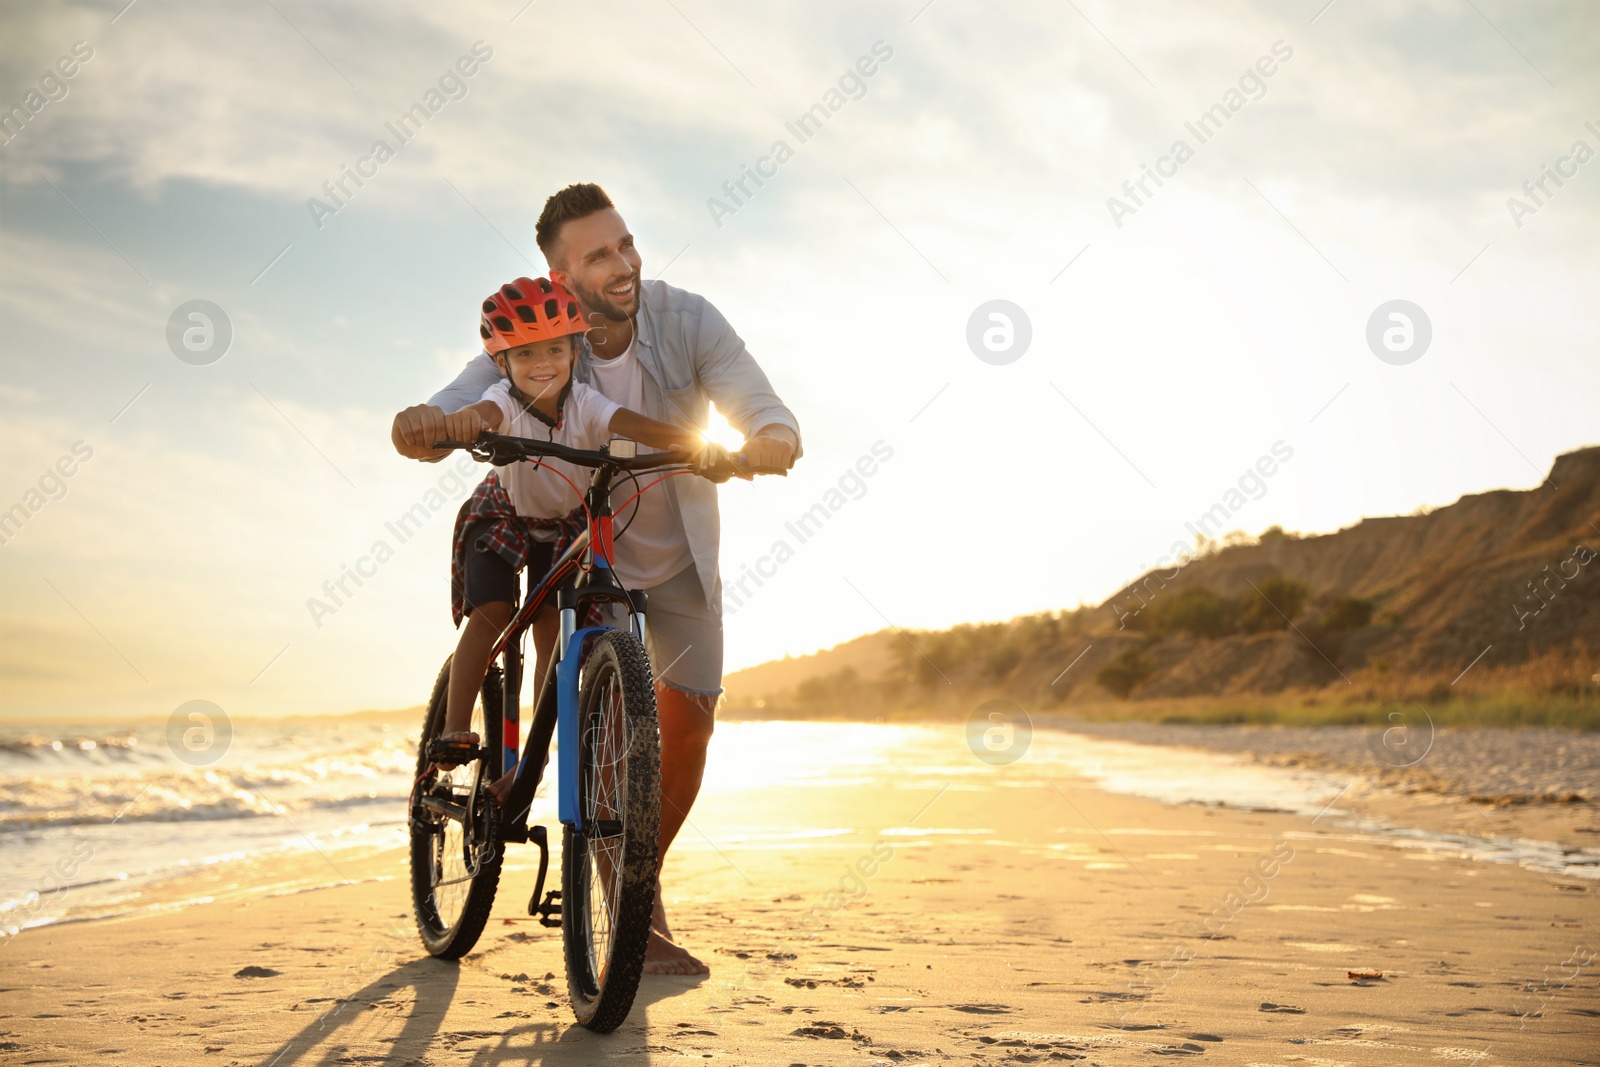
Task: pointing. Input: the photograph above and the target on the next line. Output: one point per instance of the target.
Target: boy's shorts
(488, 525)
(684, 635)
(491, 579)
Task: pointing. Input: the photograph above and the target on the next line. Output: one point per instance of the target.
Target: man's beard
(600, 302)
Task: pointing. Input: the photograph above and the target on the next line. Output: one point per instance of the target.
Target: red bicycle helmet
(528, 310)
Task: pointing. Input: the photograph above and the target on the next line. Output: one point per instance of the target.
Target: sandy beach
(897, 902)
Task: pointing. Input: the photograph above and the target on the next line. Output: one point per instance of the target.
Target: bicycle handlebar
(502, 449)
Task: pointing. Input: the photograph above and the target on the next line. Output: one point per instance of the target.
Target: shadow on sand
(396, 1019)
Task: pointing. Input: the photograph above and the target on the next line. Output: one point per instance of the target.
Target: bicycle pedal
(442, 750)
(550, 910)
(539, 836)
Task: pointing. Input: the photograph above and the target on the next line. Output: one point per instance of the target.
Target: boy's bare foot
(459, 735)
(501, 786)
(663, 957)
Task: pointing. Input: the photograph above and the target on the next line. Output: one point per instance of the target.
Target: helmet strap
(527, 403)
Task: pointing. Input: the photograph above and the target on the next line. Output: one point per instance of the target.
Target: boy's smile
(541, 370)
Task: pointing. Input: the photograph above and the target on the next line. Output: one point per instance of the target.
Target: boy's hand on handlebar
(464, 425)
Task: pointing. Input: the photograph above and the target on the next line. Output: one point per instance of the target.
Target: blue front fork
(568, 806)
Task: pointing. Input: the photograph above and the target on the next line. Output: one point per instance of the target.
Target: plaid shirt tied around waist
(487, 522)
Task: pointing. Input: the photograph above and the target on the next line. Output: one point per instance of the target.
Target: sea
(96, 820)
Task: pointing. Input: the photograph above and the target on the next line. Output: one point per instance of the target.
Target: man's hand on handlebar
(765, 453)
(416, 428)
(713, 463)
(716, 464)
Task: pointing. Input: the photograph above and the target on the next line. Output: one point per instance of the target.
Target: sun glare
(720, 431)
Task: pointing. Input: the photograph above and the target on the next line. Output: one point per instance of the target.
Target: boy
(528, 327)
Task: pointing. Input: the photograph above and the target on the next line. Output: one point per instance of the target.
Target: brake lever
(495, 452)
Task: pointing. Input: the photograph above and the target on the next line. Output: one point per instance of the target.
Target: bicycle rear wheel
(609, 869)
(456, 852)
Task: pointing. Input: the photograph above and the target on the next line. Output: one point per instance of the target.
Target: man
(667, 354)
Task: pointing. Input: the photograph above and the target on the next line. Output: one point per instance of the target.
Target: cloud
(977, 163)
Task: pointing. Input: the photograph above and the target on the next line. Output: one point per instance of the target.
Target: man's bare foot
(663, 957)
(658, 915)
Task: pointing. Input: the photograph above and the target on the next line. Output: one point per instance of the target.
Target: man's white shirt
(654, 547)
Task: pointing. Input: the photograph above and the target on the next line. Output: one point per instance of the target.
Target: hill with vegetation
(1488, 609)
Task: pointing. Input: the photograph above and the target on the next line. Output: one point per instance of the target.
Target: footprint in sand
(688, 1028)
(832, 1031)
(1287, 1009)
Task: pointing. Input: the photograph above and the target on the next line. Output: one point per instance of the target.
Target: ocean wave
(257, 748)
(153, 806)
(102, 748)
(329, 785)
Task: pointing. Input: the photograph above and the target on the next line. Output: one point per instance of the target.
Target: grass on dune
(1508, 710)
(1499, 708)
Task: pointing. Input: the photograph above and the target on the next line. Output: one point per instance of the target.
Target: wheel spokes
(455, 864)
(604, 800)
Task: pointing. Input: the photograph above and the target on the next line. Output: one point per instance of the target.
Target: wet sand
(934, 910)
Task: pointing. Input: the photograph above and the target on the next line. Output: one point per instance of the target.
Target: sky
(186, 503)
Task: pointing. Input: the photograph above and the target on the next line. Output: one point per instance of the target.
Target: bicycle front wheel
(609, 868)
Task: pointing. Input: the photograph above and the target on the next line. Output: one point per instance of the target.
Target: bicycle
(598, 701)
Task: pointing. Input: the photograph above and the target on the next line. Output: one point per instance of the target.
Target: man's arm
(736, 383)
(417, 427)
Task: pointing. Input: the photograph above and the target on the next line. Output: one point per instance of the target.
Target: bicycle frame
(555, 712)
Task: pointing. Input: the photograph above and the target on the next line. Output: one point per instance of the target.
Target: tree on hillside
(1273, 603)
(1123, 674)
(1347, 613)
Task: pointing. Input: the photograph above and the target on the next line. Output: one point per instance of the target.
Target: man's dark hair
(573, 202)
